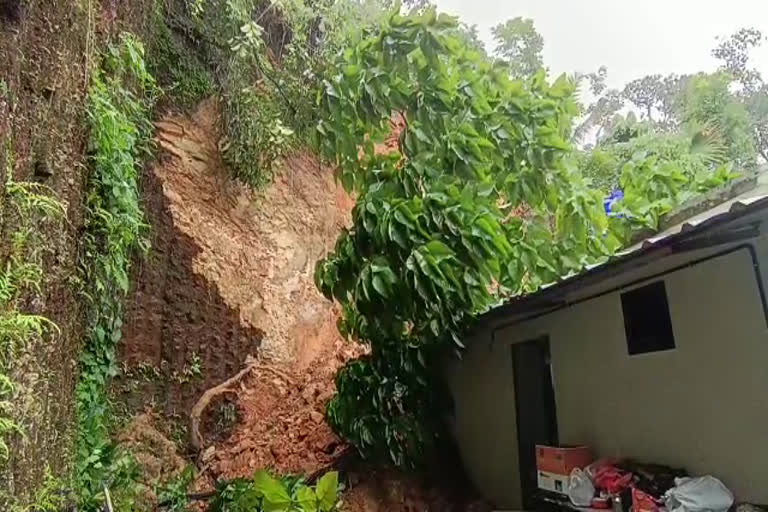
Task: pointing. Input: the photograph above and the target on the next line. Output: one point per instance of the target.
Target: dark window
(646, 319)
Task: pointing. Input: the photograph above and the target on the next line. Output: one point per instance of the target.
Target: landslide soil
(230, 276)
(229, 285)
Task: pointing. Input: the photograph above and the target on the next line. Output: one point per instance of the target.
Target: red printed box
(562, 459)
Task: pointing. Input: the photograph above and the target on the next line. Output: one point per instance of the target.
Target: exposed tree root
(196, 440)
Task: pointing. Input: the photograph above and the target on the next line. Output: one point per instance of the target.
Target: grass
(174, 494)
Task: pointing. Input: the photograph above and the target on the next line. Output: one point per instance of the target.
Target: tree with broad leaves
(520, 46)
(476, 203)
(479, 202)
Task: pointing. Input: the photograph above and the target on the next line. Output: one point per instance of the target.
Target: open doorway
(535, 408)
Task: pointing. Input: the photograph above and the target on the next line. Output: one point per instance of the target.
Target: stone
(208, 453)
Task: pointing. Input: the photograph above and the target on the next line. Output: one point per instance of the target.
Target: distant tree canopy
(723, 115)
(733, 54)
(520, 46)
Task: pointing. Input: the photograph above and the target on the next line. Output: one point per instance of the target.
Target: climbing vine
(120, 96)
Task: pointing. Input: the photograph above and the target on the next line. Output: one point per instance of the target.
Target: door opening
(535, 408)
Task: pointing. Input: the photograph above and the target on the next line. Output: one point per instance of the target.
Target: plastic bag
(580, 488)
(705, 493)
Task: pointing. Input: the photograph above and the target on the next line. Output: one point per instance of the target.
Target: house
(660, 353)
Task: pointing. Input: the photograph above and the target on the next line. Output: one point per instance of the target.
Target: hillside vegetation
(475, 176)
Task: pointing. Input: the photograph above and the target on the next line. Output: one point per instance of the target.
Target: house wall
(703, 406)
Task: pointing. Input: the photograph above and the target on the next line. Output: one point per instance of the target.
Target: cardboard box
(553, 482)
(561, 459)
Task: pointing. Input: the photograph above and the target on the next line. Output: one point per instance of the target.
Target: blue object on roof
(615, 196)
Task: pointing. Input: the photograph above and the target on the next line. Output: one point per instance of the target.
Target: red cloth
(642, 502)
(612, 479)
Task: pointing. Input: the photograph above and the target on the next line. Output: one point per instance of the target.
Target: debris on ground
(155, 454)
(282, 421)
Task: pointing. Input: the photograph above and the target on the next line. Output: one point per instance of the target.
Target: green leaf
(327, 489)
(400, 216)
(306, 499)
(439, 250)
(380, 286)
(276, 497)
(396, 236)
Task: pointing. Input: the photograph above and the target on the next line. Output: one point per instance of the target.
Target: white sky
(631, 38)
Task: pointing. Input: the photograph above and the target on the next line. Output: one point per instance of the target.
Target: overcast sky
(632, 39)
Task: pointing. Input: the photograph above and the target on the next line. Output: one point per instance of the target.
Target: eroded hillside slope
(226, 304)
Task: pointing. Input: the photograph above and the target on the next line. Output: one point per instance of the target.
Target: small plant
(226, 416)
(173, 495)
(53, 496)
(179, 70)
(192, 369)
(272, 57)
(178, 432)
(195, 365)
(269, 494)
(7, 425)
(256, 137)
(143, 370)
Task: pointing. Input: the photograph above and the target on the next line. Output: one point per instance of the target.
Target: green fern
(51, 496)
(30, 204)
(33, 198)
(15, 328)
(7, 426)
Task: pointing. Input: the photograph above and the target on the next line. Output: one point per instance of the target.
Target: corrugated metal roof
(748, 202)
(720, 212)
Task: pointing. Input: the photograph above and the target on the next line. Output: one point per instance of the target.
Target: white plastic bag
(580, 488)
(705, 493)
